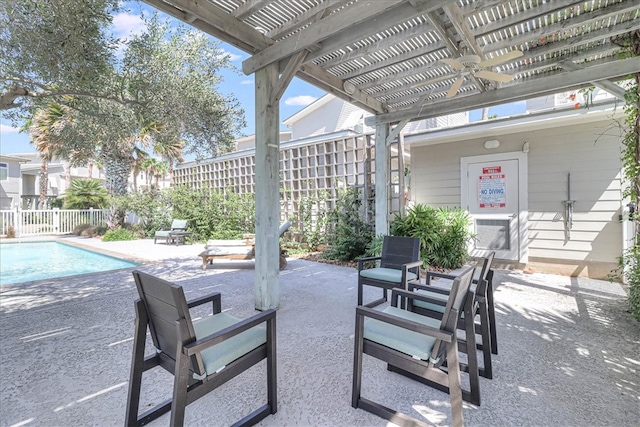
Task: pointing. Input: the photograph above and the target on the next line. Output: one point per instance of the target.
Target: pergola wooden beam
(565, 25)
(315, 33)
(520, 92)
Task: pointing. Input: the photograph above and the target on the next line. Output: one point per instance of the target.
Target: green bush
(630, 269)
(313, 220)
(79, 229)
(85, 194)
(351, 233)
(211, 214)
(443, 233)
(118, 234)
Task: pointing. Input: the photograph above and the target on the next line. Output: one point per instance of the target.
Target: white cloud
(125, 25)
(232, 56)
(300, 101)
(246, 82)
(8, 129)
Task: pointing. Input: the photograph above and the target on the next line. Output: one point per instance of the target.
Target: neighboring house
(60, 175)
(512, 174)
(10, 181)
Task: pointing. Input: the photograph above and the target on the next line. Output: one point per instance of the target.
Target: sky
(298, 95)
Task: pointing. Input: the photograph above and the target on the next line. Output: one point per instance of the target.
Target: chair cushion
(229, 350)
(386, 274)
(408, 342)
(229, 250)
(162, 233)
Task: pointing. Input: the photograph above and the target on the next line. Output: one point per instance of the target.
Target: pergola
(386, 56)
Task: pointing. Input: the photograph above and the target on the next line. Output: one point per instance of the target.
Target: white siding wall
(326, 119)
(590, 152)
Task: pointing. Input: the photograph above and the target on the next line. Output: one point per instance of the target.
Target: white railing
(21, 223)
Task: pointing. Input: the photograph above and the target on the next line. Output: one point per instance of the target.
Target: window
(4, 171)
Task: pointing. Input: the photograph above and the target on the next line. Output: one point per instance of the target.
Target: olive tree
(53, 48)
(160, 89)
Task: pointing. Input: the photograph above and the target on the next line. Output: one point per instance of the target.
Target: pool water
(24, 262)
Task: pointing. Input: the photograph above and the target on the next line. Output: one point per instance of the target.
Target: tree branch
(8, 98)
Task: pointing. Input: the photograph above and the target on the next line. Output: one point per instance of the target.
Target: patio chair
(239, 249)
(416, 345)
(176, 225)
(439, 289)
(201, 355)
(399, 263)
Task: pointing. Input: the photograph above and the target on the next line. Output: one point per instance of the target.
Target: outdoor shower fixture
(568, 210)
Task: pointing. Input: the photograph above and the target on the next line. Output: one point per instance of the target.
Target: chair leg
(492, 314)
(455, 391)
(472, 361)
(487, 342)
(272, 375)
(180, 386)
(357, 361)
(137, 365)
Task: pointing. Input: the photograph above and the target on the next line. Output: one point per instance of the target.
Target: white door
(492, 193)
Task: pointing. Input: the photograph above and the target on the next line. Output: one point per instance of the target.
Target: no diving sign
(492, 188)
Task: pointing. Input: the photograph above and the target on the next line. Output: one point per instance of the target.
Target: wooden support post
(267, 189)
(382, 179)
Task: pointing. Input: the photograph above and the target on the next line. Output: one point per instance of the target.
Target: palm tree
(85, 194)
(44, 128)
(139, 157)
(171, 151)
(161, 170)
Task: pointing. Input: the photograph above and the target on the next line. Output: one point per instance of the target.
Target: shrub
(443, 234)
(351, 233)
(11, 232)
(630, 269)
(81, 230)
(313, 220)
(118, 234)
(85, 194)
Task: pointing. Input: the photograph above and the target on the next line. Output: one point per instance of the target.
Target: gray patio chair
(202, 355)
(399, 263)
(416, 345)
(176, 225)
(439, 289)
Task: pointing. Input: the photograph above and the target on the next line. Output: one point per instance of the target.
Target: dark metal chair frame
(482, 308)
(399, 253)
(430, 372)
(164, 310)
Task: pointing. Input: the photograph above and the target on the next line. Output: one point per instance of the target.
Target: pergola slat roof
(389, 58)
(384, 55)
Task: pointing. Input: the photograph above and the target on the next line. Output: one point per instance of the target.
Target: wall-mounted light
(491, 144)
(525, 147)
(350, 88)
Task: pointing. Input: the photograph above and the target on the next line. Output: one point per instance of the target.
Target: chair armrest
(431, 274)
(416, 296)
(361, 261)
(408, 266)
(215, 298)
(230, 331)
(404, 323)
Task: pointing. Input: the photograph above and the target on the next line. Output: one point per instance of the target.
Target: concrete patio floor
(569, 352)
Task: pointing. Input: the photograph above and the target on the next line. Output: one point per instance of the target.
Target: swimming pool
(24, 262)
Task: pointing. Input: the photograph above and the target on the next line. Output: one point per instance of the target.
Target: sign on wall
(492, 188)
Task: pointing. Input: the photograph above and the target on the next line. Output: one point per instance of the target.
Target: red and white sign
(491, 170)
(492, 185)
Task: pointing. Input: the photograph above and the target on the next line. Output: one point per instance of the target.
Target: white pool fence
(21, 223)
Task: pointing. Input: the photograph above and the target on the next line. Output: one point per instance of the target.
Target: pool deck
(569, 351)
